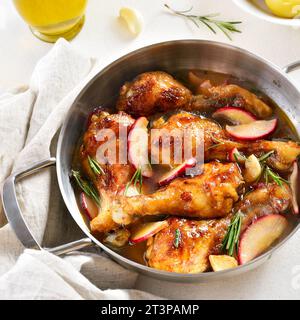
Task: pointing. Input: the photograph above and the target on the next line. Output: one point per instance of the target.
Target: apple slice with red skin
(259, 236)
(253, 130)
(176, 172)
(294, 187)
(138, 146)
(234, 115)
(148, 230)
(236, 156)
(88, 205)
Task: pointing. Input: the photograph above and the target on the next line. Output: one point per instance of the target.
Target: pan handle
(291, 67)
(14, 215)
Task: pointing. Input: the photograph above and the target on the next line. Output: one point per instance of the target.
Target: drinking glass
(51, 19)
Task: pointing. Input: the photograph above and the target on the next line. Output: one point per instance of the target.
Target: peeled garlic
(253, 169)
(222, 262)
(133, 19)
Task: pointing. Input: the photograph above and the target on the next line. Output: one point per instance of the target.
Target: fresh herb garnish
(226, 27)
(237, 159)
(95, 166)
(136, 178)
(177, 238)
(86, 187)
(231, 239)
(265, 157)
(268, 173)
(219, 142)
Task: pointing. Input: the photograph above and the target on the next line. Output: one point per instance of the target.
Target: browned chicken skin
(210, 131)
(218, 144)
(116, 176)
(153, 92)
(229, 95)
(208, 195)
(265, 199)
(199, 239)
(157, 91)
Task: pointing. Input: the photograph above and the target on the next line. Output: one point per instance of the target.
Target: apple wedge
(253, 169)
(222, 262)
(236, 156)
(259, 236)
(294, 181)
(148, 230)
(88, 205)
(253, 130)
(138, 146)
(234, 115)
(176, 172)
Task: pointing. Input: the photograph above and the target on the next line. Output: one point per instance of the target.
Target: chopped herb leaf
(87, 187)
(231, 239)
(177, 238)
(95, 166)
(136, 178)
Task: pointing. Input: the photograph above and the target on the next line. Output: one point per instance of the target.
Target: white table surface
(103, 37)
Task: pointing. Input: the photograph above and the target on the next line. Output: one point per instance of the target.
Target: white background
(103, 37)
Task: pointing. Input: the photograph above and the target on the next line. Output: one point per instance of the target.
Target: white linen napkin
(29, 122)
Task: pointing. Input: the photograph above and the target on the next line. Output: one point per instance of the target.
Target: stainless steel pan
(103, 89)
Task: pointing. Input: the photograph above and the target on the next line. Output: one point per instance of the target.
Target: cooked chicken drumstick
(199, 239)
(115, 176)
(157, 91)
(218, 144)
(208, 195)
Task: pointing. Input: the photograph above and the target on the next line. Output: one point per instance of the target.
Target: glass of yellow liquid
(52, 19)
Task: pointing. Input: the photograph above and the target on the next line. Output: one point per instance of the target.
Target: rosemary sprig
(265, 157)
(237, 159)
(136, 178)
(226, 27)
(219, 142)
(177, 238)
(231, 239)
(86, 187)
(95, 166)
(268, 173)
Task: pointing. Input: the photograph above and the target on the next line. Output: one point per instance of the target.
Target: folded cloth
(41, 275)
(30, 121)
